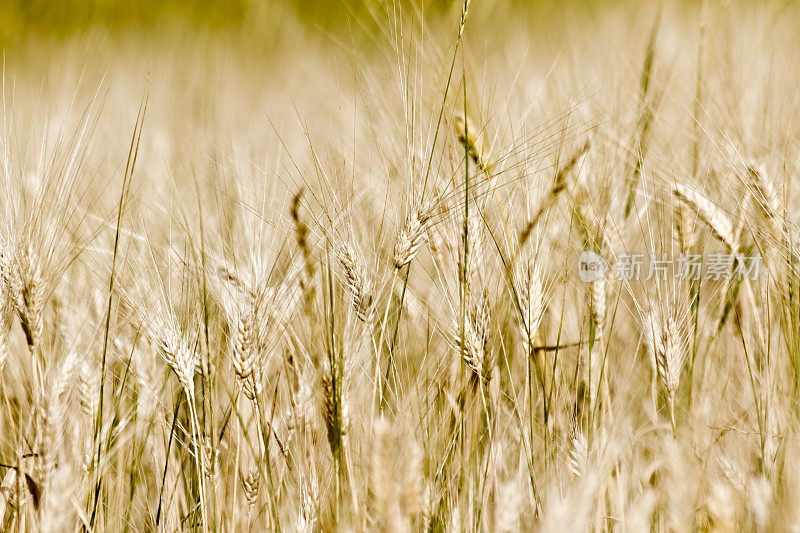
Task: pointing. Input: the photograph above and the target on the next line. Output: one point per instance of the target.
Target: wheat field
(401, 266)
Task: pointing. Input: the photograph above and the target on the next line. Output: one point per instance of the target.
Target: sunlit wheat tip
(683, 227)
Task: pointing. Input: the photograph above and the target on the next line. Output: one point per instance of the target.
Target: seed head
(414, 234)
(717, 221)
(358, 283)
(530, 292)
(667, 346)
(244, 344)
(250, 486)
(177, 353)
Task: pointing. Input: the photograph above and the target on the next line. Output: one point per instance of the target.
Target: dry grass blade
(645, 118)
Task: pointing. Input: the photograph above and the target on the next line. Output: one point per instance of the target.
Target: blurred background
(233, 76)
(61, 18)
(21, 17)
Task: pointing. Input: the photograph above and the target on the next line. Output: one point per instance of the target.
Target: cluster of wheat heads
(376, 321)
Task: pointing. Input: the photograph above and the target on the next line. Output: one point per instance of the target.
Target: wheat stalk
(6, 307)
(306, 279)
(23, 279)
(184, 361)
(301, 409)
(53, 413)
(335, 408)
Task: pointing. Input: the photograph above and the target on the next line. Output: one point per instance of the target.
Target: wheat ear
(530, 292)
(765, 195)
(358, 283)
(470, 138)
(668, 347)
(414, 234)
(711, 215)
(476, 332)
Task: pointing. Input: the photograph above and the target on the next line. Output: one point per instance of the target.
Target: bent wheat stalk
(559, 185)
(711, 215)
